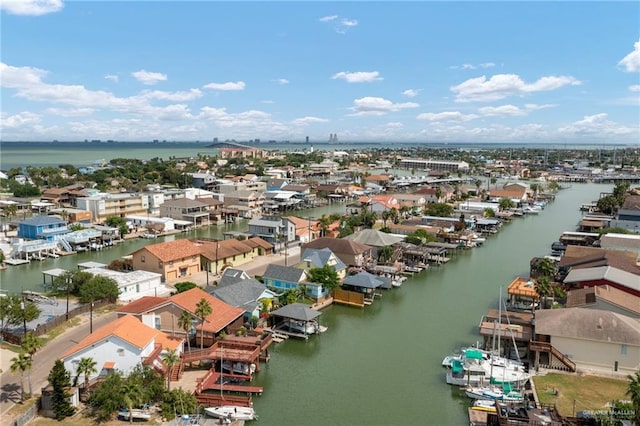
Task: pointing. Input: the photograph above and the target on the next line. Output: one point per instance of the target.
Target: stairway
(176, 371)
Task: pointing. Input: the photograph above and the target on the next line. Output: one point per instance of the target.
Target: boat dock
(211, 381)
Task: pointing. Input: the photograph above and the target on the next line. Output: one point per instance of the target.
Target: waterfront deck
(211, 381)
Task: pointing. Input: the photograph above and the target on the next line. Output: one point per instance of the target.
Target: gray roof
(320, 257)
(243, 294)
(588, 324)
(183, 202)
(608, 273)
(232, 276)
(284, 273)
(297, 311)
(364, 279)
(374, 238)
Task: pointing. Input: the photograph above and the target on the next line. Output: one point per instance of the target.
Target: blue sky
(500, 71)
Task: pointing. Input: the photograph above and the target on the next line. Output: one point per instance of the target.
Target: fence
(16, 339)
(27, 416)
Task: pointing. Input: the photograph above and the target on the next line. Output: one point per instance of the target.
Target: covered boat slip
(233, 350)
(294, 312)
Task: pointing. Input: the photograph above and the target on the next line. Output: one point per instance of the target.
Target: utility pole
(68, 280)
(24, 316)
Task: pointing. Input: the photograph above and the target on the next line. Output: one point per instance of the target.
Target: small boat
(135, 414)
(493, 393)
(484, 405)
(231, 412)
(239, 368)
(305, 327)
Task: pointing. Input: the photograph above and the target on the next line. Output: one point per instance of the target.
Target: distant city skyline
(435, 72)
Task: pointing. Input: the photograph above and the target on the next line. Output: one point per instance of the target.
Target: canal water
(381, 365)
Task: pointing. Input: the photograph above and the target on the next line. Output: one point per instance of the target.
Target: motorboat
(231, 412)
(238, 368)
(135, 414)
(493, 393)
(305, 327)
(487, 405)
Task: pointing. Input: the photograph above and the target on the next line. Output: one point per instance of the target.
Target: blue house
(238, 289)
(283, 278)
(42, 227)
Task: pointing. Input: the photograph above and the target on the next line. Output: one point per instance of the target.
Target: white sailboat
(231, 412)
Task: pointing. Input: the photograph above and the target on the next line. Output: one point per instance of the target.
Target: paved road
(43, 362)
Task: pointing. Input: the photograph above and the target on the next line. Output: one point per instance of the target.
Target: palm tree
(546, 267)
(171, 359)
(633, 390)
(186, 322)
(86, 366)
(543, 288)
(21, 363)
(324, 223)
(203, 310)
(385, 216)
(30, 344)
(130, 394)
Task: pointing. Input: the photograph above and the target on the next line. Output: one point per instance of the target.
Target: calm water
(381, 365)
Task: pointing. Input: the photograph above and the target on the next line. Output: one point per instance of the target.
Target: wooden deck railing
(548, 347)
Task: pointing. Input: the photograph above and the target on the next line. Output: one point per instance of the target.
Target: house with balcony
(121, 345)
(236, 288)
(195, 212)
(163, 313)
(103, 205)
(274, 229)
(351, 253)
(48, 228)
(172, 259)
(248, 203)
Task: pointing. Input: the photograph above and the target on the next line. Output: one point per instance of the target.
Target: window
(623, 349)
(142, 259)
(158, 323)
(121, 352)
(193, 258)
(171, 263)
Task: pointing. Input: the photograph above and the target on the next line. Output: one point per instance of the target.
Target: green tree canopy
(439, 210)
(19, 364)
(98, 288)
(13, 315)
(325, 276)
(60, 380)
(506, 203)
(118, 222)
(184, 286)
(203, 310)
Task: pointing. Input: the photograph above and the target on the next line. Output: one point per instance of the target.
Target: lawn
(586, 392)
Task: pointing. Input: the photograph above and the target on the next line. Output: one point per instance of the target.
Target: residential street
(43, 362)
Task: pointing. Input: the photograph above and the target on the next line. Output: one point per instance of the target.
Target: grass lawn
(588, 392)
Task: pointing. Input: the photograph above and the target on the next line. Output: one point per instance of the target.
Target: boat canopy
(473, 354)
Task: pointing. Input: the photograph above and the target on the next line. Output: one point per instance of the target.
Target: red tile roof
(128, 328)
(172, 250)
(222, 314)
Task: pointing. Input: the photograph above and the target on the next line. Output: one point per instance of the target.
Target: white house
(121, 345)
(135, 284)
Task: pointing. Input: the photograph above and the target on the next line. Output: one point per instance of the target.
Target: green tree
(543, 288)
(439, 210)
(98, 288)
(31, 344)
(60, 381)
(325, 276)
(86, 366)
(633, 390)
(620, 190)
(506, 203)
(19, 364)
(170, 358)
(178, 401)
(130, 394)
(545, 267)
(203, 310)
(185, 322)
(12, 313)
(118, 222)
(184, 286)
(385, 217)
(385, 253)
(607, 204)
(106, 397)
(489, 212)
(324, 223)
(553, 186)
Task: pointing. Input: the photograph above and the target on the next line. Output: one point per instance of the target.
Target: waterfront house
(283, 278)
(318, 258)
(42, 227)
(65, 196)
(121, 345)
(522, 295)
(204, 180)
(592, 339)
(248, 203)
(350, 252)
(628, 215)
(605, 298)
(604, 275)
(134, 284)
(374, 239)
(274, 229)
(437, 165)
(104, 205)
(366, 283)
(194, 211)
(624, 242)
(305, 229)
(163, 314)
(172, 259)
(236, 288)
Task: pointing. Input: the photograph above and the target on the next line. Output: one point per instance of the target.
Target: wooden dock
(211, 382)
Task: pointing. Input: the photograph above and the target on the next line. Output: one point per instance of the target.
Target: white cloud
(634, 88)
(70, 112)
(358, 77)
(411, 93)
(446, 116)
(31, 7)
(149, 78)
(281, 81)
(342, 25)
(111, 77)
(378, 106)
(394, 125)
(183, 96)
(21, 119)
(268, 101)
(500, 86)
(472, 66)
(228, 86)
(511, 110)
(597, 125)
(328, 18)
(308, 120)
(631, 62)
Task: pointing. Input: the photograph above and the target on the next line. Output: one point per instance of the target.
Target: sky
(420, 71)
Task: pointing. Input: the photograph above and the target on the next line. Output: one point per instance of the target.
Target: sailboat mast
(499, 319)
